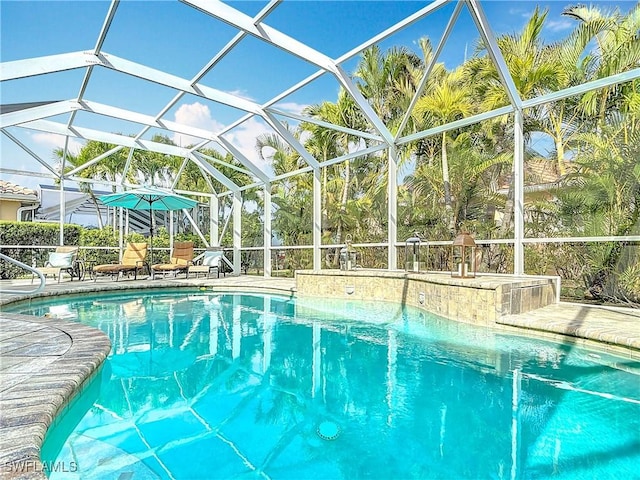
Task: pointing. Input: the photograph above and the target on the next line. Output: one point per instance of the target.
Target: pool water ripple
(226, 385)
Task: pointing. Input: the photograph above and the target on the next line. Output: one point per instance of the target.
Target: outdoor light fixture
(463, 256)
(412, 253)
(348, 255)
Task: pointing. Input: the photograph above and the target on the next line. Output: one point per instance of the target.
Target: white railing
(38, 289)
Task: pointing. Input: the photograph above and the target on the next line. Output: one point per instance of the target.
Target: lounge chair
(211, 261)
(181, 258)
(63, 259)
(133, 260)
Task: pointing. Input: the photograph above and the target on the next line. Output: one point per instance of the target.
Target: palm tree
(107, 169)
(449, 100)
(535, 70)
(155, 168)
(617, 50)
(604, 199)
(292, 196)
(346, 114)
(322, 145)
(388, 81)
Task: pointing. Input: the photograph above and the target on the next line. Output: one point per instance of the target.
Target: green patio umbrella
(148, 198)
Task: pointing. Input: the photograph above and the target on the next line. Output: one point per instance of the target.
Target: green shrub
(31, 233)
(91, 240)
(106, 237)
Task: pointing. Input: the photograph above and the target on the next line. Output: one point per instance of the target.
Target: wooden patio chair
(134, 259)
(181, 258)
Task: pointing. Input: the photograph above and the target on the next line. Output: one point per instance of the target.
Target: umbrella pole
(150, 239)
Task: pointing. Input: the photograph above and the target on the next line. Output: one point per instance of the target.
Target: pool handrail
(38, 289)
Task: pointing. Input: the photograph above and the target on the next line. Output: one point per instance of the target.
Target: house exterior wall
(9, 209)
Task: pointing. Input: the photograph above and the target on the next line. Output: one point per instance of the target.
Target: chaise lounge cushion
(60, 260)
(211, 258)
(133, 259)
(181, 258)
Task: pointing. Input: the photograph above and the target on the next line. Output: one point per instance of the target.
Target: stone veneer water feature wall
(481, 300)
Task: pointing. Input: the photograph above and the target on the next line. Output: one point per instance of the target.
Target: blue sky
(176, 38)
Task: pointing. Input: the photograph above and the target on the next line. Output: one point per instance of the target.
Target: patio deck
(44, 362)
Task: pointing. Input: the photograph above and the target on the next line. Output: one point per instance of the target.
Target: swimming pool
(207, 385)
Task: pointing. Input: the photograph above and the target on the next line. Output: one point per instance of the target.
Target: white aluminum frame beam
(463, 122)
(147, 120)
(36, 113)
(290, 139)
(616, 79)
(349, 156)
(178, 83)
(93, 161)
(317, 218)
(241, 21)
(364, 105)
(518, 190)
(101, 136)
(237, 233)
(31, 67)
(267, 231)
(32, 153)
(220, 162)
(480, 19)
(96, 50)
(214, 172)
(427, 72)
(13, 171)
(423, 12)
(255, 170)
(315, 121)
(392, 206)
(179, 172)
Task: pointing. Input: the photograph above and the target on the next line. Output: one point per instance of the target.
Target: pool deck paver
(45, 361)
(615, 329)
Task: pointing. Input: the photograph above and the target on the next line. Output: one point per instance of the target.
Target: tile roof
(8, 188)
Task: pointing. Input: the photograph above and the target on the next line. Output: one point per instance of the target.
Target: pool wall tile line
(526, 303)
(59, 359)
(480, 300)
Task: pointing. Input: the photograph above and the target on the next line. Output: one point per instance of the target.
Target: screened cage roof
(209, 74)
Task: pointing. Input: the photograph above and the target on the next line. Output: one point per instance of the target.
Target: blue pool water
(206, 385)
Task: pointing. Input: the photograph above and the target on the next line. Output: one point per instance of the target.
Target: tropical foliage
(587, 183)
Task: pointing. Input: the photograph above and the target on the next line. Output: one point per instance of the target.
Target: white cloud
(292, 107)
(242, 94)
(195, 115)
(519, 11)
(559, 25)
(52, 141)
(244, 138)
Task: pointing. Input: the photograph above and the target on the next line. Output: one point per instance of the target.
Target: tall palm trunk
(343, 203)
(94, 200)
(508, 207)
(447, 185)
